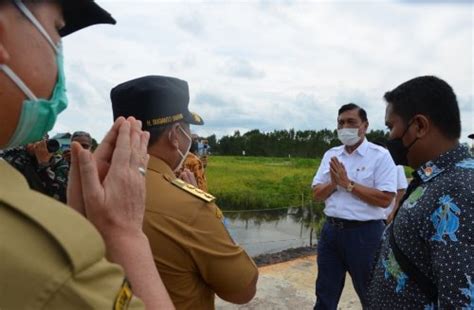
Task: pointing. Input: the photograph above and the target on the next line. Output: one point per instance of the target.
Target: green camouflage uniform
(50, 179)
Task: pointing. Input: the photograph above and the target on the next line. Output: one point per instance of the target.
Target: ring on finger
(142, 171)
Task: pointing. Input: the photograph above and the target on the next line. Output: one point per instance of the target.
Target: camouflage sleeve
(55, 178)
(18, 158)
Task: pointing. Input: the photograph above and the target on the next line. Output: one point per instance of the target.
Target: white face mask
(348, 136)
(183, 156)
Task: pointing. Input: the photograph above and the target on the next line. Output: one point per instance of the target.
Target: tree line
(282, 143)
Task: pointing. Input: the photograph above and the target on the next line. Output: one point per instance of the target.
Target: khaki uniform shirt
(192, 249)
(194, 164)
(50, 256)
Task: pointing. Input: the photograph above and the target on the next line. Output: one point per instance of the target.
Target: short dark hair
(157, 132)
(352, 106)
(429, 96)
(77, 134)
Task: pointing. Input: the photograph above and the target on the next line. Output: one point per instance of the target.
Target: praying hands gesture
(108, 188)
(338, 173)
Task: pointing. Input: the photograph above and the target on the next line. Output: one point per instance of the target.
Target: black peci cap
(155, 100)
(79, 14)
(471, 136)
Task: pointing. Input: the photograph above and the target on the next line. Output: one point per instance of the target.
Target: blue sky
(271, 64)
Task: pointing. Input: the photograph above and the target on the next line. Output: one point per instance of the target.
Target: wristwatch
(350, 187)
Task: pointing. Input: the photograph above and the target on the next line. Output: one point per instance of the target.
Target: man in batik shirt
(194, 164)
(426, 259)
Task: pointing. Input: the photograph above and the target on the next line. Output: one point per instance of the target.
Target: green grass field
(246, 183)
(243, 183)
(259, 183)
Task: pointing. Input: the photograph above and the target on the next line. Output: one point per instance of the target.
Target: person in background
(52, 257)
(81, 137)
(203, 152)
(200, 259)
(402, 185)
(357, 182)
(194, 164)
(45, 171)
(471, 136)
(426, 258)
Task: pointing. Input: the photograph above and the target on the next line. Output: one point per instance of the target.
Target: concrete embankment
(290, 285)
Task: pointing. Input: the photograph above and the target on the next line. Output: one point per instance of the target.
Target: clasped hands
(338, 173)
(106, 186)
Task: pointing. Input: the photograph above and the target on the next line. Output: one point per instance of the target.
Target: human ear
(422, 125)
(173, 136)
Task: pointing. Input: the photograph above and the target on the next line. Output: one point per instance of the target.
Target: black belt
(343, 223)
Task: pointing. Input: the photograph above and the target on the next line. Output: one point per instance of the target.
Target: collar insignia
(428, 171)
(193, 190)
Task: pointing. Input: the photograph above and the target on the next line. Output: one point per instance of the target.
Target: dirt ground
(290, 285)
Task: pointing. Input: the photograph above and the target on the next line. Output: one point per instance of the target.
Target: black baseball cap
(155, 100)
(80, 14)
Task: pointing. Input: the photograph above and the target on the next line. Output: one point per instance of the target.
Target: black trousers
(345, 248)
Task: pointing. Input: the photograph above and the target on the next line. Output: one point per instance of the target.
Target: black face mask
(399, 151)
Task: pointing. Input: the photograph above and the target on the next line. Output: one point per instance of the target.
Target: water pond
(264, 232)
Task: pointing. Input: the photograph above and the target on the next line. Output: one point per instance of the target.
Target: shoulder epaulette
(193, 190)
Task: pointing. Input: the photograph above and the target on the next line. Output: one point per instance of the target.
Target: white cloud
(242, 68)
(270, 65)
(191, 23)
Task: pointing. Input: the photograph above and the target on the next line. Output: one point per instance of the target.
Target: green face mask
(37, 115)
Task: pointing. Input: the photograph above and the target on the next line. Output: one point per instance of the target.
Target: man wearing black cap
(51, 257)
(200, 258)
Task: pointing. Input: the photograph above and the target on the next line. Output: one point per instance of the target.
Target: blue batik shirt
(434, 228)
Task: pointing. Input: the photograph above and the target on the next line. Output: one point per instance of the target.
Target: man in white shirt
(402, 184)
(357, 182)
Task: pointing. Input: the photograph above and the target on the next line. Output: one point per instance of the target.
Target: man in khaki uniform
(51, 257)
(200, 257)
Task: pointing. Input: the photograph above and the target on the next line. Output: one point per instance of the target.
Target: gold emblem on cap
(196, 117)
